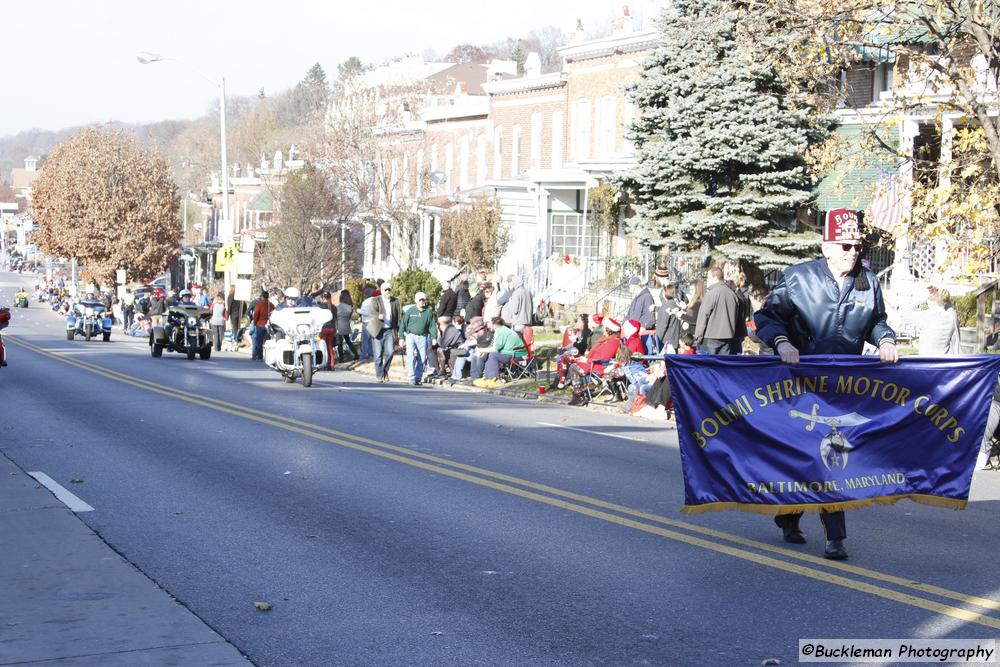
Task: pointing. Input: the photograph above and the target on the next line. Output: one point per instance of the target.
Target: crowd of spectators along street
(473, 332)
(477, 332)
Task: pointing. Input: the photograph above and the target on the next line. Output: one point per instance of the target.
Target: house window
(393, 179)
(557, 140)
(498, 153)
(883, 79)
(449, 164)
(384, 246)
(606, 127)
(420, 172)
(566, 231)
(406, 174)
(515, 152)
(431, 234)
(463, 178)
(581, 129)
(481, 159)
(628, 117)
(536, 140)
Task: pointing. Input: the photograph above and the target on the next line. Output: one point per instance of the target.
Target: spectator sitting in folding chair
(575, 342)
(596, 361)
(627, 369)
(449, 338)
(478, 336)
(631, 335)
(506, 345)
(526, 367)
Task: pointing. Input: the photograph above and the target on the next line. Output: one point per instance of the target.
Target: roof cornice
(525, 84)
(607, 46)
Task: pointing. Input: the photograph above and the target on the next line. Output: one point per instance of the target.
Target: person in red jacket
(261, 314)
(599, 356)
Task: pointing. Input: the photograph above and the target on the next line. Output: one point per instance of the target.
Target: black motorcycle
(185, 330)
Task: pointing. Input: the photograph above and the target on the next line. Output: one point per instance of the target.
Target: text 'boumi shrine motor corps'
(864, 386)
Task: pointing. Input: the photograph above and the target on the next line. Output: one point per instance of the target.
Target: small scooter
(295, 350)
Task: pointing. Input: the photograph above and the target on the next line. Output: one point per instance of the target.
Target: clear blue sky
(72, 62)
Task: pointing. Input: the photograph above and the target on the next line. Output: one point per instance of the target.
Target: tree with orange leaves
(110, 203)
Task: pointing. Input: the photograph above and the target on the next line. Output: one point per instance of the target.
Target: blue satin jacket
(808, 309)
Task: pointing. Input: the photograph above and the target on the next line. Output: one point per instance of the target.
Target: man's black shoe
(835, 550)
(791, 534)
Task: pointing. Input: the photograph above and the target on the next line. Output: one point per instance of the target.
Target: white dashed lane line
(61, 493)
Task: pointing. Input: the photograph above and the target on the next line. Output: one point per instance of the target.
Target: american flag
(890, 205)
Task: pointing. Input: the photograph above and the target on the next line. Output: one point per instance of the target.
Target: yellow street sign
(225, 258)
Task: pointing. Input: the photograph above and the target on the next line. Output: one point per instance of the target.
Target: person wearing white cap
(831, 305)
(418, 328)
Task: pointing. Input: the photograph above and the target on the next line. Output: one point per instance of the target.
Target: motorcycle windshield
(189, 311)
(295, 319)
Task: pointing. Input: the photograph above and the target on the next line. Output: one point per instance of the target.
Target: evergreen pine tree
(315, 77)
(518, 55)
(721, 144)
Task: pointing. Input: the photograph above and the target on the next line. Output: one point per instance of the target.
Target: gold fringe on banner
(756, 508)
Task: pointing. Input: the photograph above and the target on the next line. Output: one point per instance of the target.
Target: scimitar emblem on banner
(834, 446)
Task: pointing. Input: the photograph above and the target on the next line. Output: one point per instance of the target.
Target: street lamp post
(343, 255)
(224, 231)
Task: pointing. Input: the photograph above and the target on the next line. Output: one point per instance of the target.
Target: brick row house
(539, 143)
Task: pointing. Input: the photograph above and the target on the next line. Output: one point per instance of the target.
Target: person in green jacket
(418, 329)
(507, 345)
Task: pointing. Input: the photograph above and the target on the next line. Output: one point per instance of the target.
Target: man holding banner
(827, 306)
(831, 430)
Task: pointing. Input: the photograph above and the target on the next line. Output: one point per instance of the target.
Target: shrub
(354, 286)
(407, 283)
(965, 308)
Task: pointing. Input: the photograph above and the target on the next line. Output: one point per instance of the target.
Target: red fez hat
(841, 226)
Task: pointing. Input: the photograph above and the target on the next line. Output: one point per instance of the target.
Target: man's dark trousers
(716, 346)
(833, 523)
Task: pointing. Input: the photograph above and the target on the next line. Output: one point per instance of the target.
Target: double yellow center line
(832, 572)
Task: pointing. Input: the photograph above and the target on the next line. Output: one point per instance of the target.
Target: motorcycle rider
(294, 299)
(21, 299)
(184, 300)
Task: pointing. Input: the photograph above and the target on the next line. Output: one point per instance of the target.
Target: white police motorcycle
(295, 349)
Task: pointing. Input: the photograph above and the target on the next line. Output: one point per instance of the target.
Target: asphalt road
(397, 525)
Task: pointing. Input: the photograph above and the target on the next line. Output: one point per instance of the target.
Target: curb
(368, 368)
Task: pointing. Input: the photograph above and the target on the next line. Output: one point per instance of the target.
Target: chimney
(532, 65)
(623, 24)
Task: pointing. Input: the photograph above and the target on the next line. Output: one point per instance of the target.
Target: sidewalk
(397, 374)
(71, 599)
